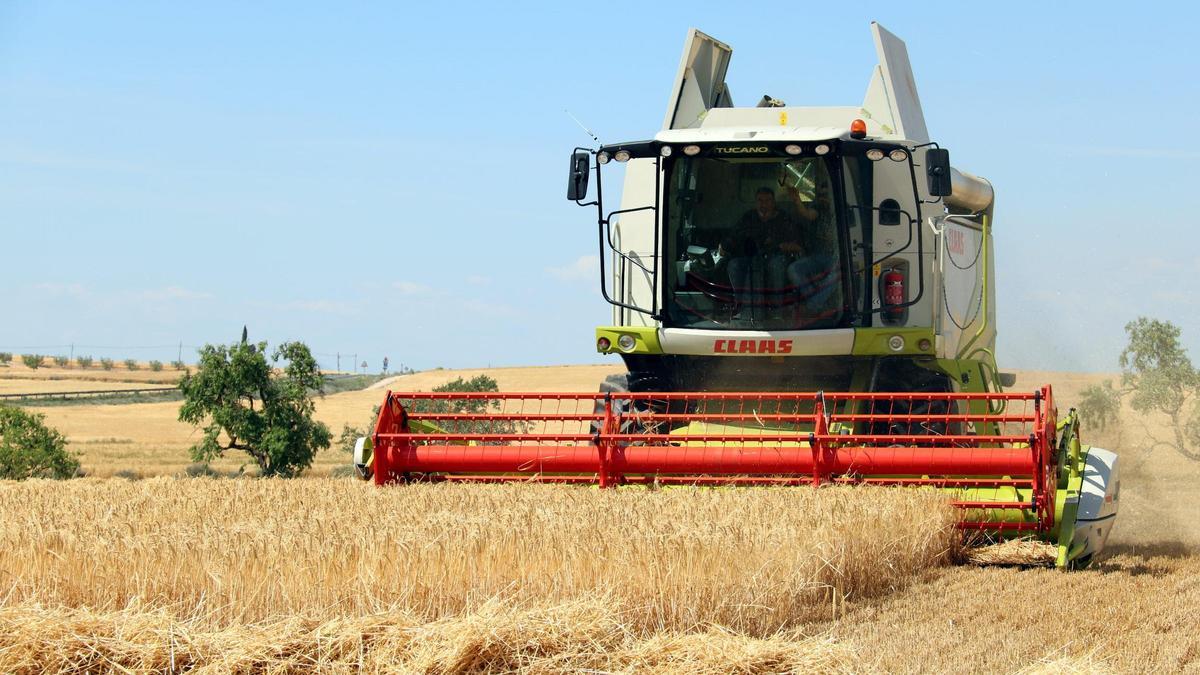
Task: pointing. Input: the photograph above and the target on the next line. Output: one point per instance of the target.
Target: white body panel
(362, 457)
(1098, 501)
(963, 308)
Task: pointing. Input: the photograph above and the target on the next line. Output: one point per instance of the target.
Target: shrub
(128, 474)
(6, 358)
(479, 383)
(33, 361)
(62, 361)
(84, 362)
(131, 364)
(156, 366)
(343, 471)
(201, 470)
(106, 364)
(30, 449)
(177, 365)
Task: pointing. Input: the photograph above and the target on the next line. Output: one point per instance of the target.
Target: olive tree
(30, 449)
(265, 409)
(1157, 376)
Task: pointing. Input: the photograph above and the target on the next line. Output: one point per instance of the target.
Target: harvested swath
(584, 635)
(1083, 664)
(242, 552)
(1012, 552)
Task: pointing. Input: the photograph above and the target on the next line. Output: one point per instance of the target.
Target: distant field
(146, 437)
(149, 439)
(17, 371)
(12, 385)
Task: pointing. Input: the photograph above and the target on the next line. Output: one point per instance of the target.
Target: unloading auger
(794, 306)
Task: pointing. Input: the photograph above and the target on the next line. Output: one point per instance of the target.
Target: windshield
(754, 244)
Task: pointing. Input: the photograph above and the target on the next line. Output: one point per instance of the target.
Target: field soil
(241, 575)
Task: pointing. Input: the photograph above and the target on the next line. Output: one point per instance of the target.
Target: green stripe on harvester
(646, 338)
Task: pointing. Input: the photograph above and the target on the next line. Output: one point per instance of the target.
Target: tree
(244, 403)
(1157, 376)
(30, 449)
(1100, 405)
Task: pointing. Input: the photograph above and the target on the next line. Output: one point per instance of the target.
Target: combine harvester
(762, 259)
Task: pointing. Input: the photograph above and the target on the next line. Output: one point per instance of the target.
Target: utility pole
(339, 362)
(72, 351)
(180, 357)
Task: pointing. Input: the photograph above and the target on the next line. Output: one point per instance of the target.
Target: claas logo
(752, 347)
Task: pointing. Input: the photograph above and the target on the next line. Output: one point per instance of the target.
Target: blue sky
(386, 180)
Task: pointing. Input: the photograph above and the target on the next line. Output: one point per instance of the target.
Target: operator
(765, 232)
(811, 267)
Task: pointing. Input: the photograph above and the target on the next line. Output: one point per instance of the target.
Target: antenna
(585, 129)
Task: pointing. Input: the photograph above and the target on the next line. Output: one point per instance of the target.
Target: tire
(905, 376)
(613, 384)
(619, 384)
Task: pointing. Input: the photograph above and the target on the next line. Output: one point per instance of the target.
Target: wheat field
(207, 555)
(170, 574)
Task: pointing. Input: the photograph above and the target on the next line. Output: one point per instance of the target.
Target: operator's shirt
(754, 236)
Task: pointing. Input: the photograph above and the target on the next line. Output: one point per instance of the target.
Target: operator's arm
(789, 236)
(803, 210)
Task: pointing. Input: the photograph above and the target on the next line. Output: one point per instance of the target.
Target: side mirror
(937, 169)
(577, 180)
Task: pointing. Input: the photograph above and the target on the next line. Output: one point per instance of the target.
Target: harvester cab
(827, 248)
(800, 295)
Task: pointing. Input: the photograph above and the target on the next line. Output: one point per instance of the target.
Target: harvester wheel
(619, 384)
(903, 375)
